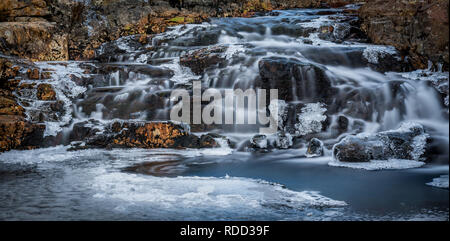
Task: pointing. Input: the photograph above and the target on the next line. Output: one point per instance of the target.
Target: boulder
(406, 142)
(315, 148)
(294, 78)
(141, 134)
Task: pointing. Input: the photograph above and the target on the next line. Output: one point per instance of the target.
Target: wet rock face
(294, 78)
(407, 142)
(419, 29)
(201, 59)
(16, 133)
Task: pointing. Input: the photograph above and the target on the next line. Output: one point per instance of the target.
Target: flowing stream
(366, 87)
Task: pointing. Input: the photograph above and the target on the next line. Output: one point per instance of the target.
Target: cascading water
(332, 82)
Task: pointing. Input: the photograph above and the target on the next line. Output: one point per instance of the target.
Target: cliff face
(68, 29)
(417, 28)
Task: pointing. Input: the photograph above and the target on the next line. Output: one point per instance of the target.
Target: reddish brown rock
(419, 29)
(46, 92)
(145, 135)
(8, 106)
(16, 133)
(14, 10)
(38, 41)
(33, 74)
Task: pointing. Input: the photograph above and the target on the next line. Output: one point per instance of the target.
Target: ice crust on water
(60, 154)
(373, 165)
(441, 182)
(310, 119)
(199, 194)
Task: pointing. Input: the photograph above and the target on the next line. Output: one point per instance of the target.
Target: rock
(39, 41)
(407, 142)
(208, 141)
(419, 29)
(33, 74)
(386, 58)
(201, 59)
(8, 106)
(315, 148)
(342, 124)
(259, 142)
(84, 130)
(286, 75)
(139, 134)
(45, 92)
(14, 10)
(283, 140)
(17, 133)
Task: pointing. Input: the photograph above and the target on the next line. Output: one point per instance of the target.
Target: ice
(283, 140)
(65, 89)
(419, 142)
(310, 119)
(231, 195)
(278, 108)
(441, 182)
(374, 53)
(181, 74)
(374, 165)
(260, 141)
